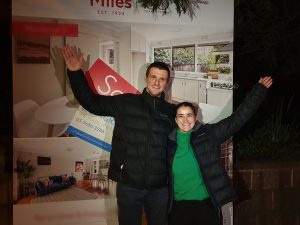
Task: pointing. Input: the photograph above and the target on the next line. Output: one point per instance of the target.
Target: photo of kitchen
(64, 173)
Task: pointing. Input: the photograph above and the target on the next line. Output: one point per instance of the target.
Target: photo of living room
(48, 171)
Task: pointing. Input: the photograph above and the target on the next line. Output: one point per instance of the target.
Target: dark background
(266, 42)
(5, 115)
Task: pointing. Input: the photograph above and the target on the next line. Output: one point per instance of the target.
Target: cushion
(56, 179)
(50, 182)
(44, 181)
(40, 185)
(64, 178)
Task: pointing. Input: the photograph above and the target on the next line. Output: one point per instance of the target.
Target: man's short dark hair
(159, 65)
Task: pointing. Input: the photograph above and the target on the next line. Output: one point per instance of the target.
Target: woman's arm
(230, 125)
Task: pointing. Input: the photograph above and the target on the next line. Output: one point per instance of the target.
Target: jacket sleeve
(94, 103)
(227, 127)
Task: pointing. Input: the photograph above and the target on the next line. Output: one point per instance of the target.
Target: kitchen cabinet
(185, 90)
(219, 97)
(202, 91)
(178, 88)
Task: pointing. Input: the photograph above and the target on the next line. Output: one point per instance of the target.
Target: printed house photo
(127, 47)
(52, 174)
(32, 49)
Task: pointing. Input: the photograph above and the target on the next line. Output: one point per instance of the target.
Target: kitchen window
(183, 58)
(208, 58)
(196, 57)
(163, 55)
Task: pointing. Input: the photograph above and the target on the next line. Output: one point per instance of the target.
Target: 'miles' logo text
(112, 3)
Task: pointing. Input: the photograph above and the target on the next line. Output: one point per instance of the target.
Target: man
(139, 143)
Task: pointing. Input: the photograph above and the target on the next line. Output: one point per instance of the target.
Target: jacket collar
(149, 98)
(172, 135)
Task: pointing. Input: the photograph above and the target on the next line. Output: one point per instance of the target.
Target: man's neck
(151, 94)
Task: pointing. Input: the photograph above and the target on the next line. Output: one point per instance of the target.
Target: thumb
(81, 59)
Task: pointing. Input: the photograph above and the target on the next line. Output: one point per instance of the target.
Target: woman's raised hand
(266, 81)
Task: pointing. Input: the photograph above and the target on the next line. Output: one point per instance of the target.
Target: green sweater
(188, 182)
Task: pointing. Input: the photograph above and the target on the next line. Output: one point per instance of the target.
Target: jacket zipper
(148, 145)
(172, 181)
(203, 176)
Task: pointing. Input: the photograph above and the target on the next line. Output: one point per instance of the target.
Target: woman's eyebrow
(181, 114)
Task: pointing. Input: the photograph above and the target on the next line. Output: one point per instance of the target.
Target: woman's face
(185, 118)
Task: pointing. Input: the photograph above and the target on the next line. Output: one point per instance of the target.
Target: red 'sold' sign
(104, 80)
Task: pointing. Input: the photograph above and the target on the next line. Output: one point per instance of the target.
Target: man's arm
(92, 102)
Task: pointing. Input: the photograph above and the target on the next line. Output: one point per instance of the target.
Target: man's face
(157, 81)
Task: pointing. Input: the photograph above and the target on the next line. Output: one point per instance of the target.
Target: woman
(198, 182)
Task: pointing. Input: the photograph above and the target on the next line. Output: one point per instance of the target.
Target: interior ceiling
(71, 147)
(160, 32)
(214, 18)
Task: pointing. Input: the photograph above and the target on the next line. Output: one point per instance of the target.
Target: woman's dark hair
(186, 104)
(159, 65)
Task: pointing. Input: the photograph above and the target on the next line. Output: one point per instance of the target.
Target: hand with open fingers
(266, 81)
(74, 61)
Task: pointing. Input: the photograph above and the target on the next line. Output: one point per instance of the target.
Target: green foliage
(222, 58)
(163, 55)
(209, 60)
(182, 6)
(24, 169)
(224, 69)
(183, 55)
(206, 58)
(276, 138)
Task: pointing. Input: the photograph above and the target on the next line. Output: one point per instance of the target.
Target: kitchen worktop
(223, 78)
(202, 76)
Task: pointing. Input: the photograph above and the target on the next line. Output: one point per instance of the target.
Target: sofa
(46, 185)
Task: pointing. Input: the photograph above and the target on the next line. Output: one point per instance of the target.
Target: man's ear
(176, 120)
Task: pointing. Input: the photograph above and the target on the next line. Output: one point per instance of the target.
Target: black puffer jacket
(206, 141)
(142, 125)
